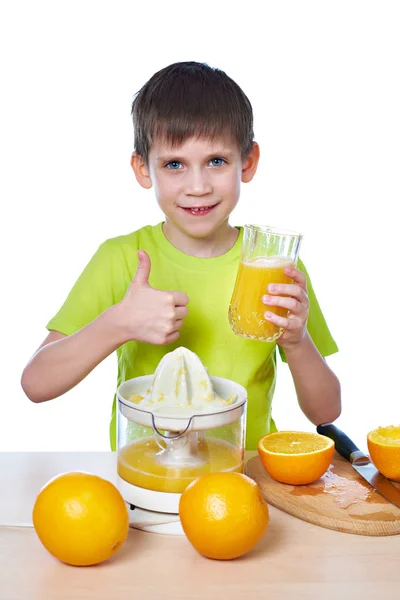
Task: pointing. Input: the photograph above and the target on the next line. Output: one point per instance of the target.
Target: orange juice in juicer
(174, 426)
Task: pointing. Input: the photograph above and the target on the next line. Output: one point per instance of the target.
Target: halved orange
(295, 457)
(384, 450)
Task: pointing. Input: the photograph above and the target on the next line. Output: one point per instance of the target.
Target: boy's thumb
(143, 270)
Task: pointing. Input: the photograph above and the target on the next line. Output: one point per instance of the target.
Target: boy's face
(197, 184)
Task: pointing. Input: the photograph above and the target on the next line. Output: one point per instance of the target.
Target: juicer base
(154, 522)
(163, 502)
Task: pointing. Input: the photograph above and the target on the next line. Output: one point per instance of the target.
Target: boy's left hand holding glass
(293, 297)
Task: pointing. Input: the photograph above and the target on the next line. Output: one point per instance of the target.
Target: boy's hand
(150, 315)
(295, 325)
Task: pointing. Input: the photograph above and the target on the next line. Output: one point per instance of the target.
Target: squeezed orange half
(384, 450)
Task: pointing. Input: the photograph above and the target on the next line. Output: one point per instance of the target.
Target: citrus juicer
(174, 426)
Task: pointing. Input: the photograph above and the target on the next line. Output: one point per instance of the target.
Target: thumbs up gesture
(150, 315)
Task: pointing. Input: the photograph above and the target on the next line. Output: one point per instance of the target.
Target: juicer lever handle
(170, 437)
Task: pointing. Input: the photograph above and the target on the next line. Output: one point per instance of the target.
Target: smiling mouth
(198, 210)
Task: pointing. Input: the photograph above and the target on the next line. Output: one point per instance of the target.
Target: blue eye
(173, 165)
(217, 162)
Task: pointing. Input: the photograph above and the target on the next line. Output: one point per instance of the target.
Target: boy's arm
(317, 387)
(63, 361)
(144, 314)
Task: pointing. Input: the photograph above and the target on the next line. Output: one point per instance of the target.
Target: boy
(145, 293)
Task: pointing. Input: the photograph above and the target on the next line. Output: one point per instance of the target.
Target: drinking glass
(266, 251)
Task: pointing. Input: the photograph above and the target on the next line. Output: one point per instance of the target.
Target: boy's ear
(250, 164)
(141, 171)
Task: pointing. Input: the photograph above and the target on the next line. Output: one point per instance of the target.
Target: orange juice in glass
(266, 252)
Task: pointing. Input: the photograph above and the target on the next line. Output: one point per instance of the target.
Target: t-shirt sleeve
(91, 295)
(316, 324)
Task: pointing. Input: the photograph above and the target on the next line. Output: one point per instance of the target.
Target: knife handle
(343, 443)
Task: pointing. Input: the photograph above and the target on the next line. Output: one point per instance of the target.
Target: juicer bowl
(182, 421)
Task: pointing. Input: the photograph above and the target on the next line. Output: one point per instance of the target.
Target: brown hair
(189, 99)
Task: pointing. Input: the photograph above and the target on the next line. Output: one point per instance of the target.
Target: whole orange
(223, 515)
(384, 450)
(295, 457)
(80, 518)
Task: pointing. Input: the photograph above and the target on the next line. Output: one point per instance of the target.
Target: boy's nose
(197, 184)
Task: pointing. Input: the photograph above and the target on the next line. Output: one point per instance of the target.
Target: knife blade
(360, 462)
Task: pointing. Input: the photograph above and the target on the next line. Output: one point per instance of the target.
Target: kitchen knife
(361, 463)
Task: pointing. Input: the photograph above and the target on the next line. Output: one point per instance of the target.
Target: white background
(323, 78)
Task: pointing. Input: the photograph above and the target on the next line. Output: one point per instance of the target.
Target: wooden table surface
(295, 560)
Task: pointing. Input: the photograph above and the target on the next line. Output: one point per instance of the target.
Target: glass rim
(274, 230)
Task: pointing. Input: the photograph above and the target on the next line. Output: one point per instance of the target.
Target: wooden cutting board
(340, 500)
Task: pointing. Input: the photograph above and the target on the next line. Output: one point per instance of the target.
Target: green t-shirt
(209, 283)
